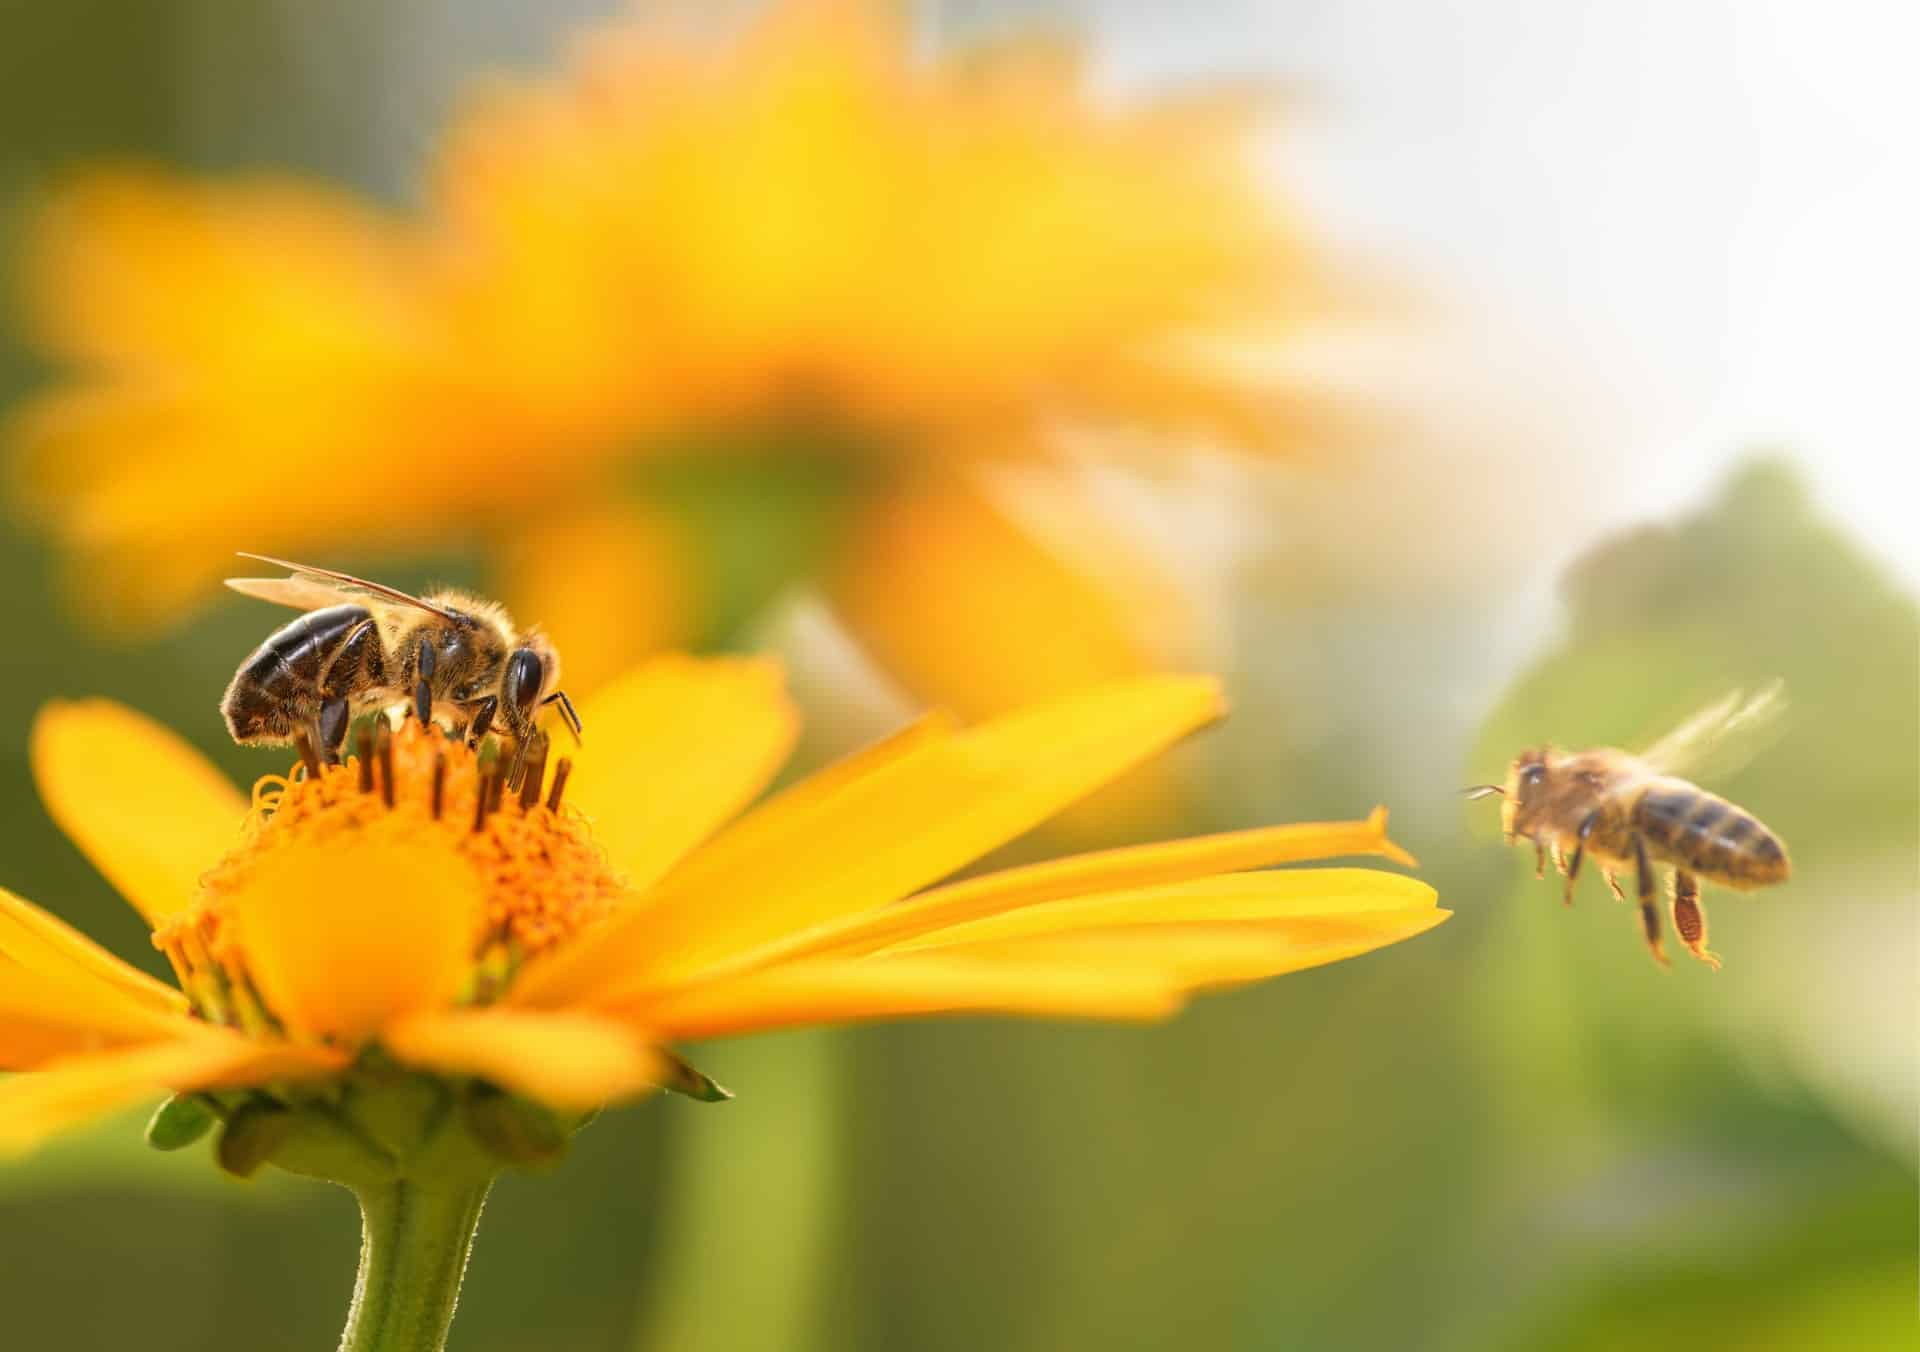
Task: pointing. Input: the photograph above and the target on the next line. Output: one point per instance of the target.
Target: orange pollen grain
(530, 856)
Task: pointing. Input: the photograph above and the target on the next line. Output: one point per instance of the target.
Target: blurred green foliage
(1675, 1157)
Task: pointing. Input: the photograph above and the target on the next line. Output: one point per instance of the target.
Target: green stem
(415, 1238)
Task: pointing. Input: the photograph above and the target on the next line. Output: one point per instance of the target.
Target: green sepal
(683, 1078)
(514, 1130)
(179, 1122)
(256, 1129)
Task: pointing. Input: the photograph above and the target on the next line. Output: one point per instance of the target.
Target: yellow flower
(796, 240)
(399, 919)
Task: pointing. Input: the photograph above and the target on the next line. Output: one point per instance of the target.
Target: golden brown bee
(1633, 810)
(361, 645)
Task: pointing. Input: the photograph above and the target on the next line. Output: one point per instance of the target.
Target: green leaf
(683, 1078)
(179, 1122)
(256, 1129)
(515, 1130)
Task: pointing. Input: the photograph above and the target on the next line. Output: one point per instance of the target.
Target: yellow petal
(1284, 894)
(611, 585)
(673, 750)
(568, 1060)
(43, 1103)
(886, 834)
(993, 590)
(35, 939)
(968, 608)
(1088, 874)
(339, 956)
(831, 992)
(47, 1014)
(145, 807)
(783, 823)
(1194, 957)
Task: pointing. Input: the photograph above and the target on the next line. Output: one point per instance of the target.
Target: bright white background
(1712, 206)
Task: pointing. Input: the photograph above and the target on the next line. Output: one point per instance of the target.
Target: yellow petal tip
(1377, 821)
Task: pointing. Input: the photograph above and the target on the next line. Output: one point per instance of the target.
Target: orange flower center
(529, 855)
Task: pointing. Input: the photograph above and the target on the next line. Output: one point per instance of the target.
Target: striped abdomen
(1703, 832)
(277, 687)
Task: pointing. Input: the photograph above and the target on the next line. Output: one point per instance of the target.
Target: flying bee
(1634, 810)
(361, 645)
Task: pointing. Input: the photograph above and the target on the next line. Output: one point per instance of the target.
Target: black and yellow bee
(361, 645)
(1633, 811)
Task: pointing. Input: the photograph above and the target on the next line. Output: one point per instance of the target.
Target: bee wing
(288, 591)
(311, 588)
(1723, 737)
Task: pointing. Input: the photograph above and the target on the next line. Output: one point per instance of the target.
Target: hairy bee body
(1690, 828)
(1618, 799)
(349, 652)
(359, 645)
(1632, 813)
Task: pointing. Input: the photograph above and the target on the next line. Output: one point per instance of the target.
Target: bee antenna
(1478, 791)
(566, 712)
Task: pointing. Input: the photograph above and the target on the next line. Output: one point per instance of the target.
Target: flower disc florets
(528, 857)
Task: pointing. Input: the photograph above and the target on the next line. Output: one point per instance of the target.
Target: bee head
(1526, 791)
(531, 679)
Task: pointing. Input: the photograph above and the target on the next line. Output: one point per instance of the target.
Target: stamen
(386, 767)
(538, 875)
(307, 758)
(536, 773)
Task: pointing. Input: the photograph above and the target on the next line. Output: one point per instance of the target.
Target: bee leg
(1539, 861)
(482, 719)
(1559, 859)
(1579, 852)
(422, 689)
(330, 728)
(1649, 913)
(1613, 882)
(1689, 920)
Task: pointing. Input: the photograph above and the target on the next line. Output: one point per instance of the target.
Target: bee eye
(1532, 775)
(523, 680)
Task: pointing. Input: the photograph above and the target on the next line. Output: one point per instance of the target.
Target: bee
(361, 645)
(1629, 810)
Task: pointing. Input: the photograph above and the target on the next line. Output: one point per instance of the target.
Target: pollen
(528, 855)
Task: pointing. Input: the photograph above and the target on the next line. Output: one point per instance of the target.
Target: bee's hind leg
(1649, 913)
(330, 728)
(1689, 919)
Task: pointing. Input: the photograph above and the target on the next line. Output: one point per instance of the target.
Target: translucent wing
(1724, 736)
(311, 588)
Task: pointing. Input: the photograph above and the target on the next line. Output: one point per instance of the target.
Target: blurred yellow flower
(391, 915)
(795, 241)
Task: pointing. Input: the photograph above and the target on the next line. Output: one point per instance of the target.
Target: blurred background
(1518, 372)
